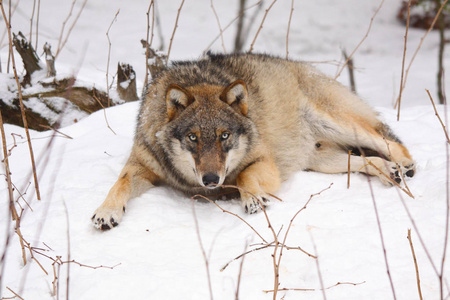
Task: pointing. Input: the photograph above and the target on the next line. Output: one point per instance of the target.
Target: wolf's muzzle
(210, 180)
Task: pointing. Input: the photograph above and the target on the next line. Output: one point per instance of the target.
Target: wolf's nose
(210, 178)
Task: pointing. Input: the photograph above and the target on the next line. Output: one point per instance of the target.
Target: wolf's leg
(332, 159)
(133, 180)
(256, 181)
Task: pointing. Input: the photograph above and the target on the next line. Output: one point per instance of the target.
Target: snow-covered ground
(155, 252)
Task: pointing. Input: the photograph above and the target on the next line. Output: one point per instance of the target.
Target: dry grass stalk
(260, 26)
(415, 261)
(174, 30)
(403, 60)
(362, 41)
(289, 29)
(437, 115)
(22, 108)
(403, 84)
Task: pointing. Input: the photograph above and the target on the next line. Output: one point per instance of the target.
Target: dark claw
(105, 227)
(398, 180)
(93, 217)
(397, 174)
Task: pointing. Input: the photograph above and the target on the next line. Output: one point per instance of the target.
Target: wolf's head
(208, 132)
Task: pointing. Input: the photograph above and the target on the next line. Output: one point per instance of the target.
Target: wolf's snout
(210, 179)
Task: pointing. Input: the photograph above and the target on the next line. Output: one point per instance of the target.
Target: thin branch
(240, 273)
(348, 168)
(437, 115)
(174, 30)
(289, 29)
(220, 27)
(380, 230)
(233, 214)
(420, 45)
(403, 61)
(63, 43)
(22, 108)
(318, 266)
(229, 24)
(147, 38)
(260, 26)
(415, 262)
(15, 294)
(109, 56)
(312, 290)
(362, 41)
(205, 257)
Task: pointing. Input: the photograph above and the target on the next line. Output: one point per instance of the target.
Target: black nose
(210, 178)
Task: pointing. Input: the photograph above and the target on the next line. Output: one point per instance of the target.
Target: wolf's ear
(236, 96)
(177, 99)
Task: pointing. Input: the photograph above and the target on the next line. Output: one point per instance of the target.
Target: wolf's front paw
(107, 218)
(252, 203)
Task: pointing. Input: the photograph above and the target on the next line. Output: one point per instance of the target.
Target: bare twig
(229, 24)
(218, 24)
(293, 218)
(403, 61)
(348, 168)
(318, 266)
(240, 273)
(109, 56)
(362, 41)
(351, 73)
(148, 45)
(379, 229)
(260, 26)
(37, 24)
(205, 257)
(437, 115)
(15, 294)
(62, 43)
(415, 264)
(68, 249)
(289, 29)
(174, 29)
(22, 108)
(233, 214)
(104, 112)
(420, 45)
(312, 290)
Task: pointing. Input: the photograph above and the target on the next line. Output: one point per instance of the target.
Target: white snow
(155, 252)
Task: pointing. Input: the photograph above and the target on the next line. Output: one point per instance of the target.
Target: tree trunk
(29, 56)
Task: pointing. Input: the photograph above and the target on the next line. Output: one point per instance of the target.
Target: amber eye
(224, 136)
(192, 137)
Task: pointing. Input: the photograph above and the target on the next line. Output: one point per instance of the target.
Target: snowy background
(155, 252)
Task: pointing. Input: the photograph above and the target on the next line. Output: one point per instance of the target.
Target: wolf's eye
(192, 137)
(224, 136)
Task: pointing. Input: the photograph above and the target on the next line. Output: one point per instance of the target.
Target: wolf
(249, 120)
